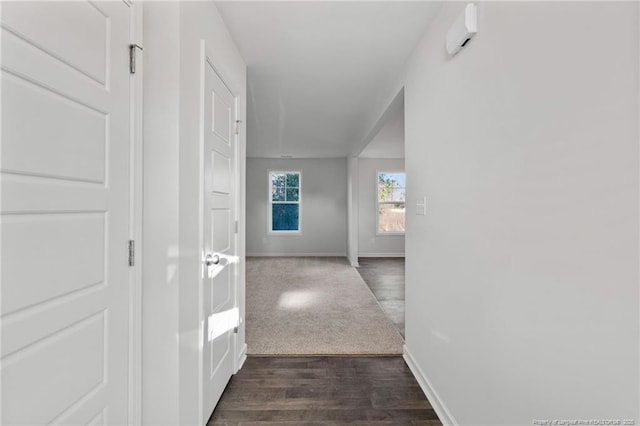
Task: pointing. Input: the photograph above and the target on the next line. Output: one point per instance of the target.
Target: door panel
(71, 250)
(222, 112)
(42, 369)
(75, 34)
(64, 173)
(220, 173)
(221, 230)
(219, 282)
(72, 152)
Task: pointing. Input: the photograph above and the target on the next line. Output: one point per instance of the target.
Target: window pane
(293, 180)
(277, 180)
(391, 186)
(277, 194)
(284, 217)
(397, 195)
(397, 177)
(391, 217)
(292, 194)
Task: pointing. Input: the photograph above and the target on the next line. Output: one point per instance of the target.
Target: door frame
(135, 219)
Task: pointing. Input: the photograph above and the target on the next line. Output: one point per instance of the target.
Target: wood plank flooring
(370, 391)
(385, 278)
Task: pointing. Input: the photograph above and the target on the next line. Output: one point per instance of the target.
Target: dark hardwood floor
(385, 278)
(323, 391)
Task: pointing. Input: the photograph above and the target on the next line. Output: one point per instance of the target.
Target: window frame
(378, 203)
(270, 203)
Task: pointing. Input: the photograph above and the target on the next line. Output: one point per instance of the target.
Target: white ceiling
(317, 69)
(389, 142)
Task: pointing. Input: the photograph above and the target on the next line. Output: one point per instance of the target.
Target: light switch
(421, 206)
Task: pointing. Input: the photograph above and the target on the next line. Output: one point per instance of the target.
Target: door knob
(211, 259)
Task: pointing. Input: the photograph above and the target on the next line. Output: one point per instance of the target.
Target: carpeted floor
(313, 306)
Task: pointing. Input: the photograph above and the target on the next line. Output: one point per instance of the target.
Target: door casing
(135, 221)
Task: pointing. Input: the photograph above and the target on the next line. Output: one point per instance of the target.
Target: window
(391, 202)
(284, 201)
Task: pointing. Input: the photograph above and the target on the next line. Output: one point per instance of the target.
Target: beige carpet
(313, 306)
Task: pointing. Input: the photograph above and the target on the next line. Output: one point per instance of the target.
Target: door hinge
(132, 253)
(235, 329)
(236, 227)
(238, 126)
(132, 57)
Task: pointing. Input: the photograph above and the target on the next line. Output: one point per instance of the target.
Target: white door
(219, 239)
(65, 206)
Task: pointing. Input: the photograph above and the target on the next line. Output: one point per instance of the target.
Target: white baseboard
(380, 254)
(242, 357)
(296, 254)
(438, 405)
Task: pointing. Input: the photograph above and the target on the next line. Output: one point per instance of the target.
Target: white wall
(352, 210)
(522, 280)
(172, 365)
(324, 208)
(369, 243)
(160, 214)
(389, 141)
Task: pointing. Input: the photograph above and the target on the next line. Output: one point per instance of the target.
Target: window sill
(284, 233)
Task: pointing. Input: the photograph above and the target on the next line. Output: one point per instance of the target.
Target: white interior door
(219, 238)
(65, 207)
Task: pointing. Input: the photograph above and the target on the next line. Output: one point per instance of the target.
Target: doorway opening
(381, 219)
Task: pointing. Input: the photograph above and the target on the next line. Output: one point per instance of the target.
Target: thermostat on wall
(463, 30)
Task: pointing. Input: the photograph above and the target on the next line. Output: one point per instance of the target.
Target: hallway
(324, 391)
(199, 180)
